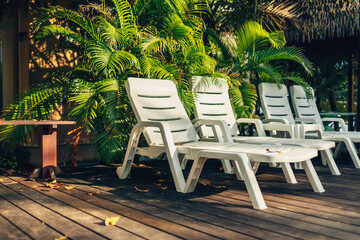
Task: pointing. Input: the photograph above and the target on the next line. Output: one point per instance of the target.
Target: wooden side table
(47, 137)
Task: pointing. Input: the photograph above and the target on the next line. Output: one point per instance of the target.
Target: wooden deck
(30, 210)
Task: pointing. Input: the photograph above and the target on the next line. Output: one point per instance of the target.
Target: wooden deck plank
(13, 207)
(70, 198)
(196, 214)
(251, 211)
(295, 211)
(8, 230)
(337, 212)
(70, 221)
(208, 227)
(135, 213)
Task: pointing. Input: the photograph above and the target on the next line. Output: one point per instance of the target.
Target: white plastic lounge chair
(307, 111)
(276, 107)
(167, 128)
(212, 102)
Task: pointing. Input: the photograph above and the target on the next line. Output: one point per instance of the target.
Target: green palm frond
(34, 104)
(153, 44)
(125, 14)
(163, 71)
(59, 14)
(198, 7)
(252, 36)
(243, 98)
(104, 12)
(117, 37)
(224, 47)
(54, 30)
(139, 7)
(285, 53)
(108, 61)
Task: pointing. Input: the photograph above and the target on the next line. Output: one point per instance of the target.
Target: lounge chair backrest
(275, 102)
(212, 102)
(303, 107)
(158, 100)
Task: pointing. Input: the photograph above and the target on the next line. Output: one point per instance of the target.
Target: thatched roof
(324, 19)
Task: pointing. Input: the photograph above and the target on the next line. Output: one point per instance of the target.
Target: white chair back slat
(303, 107)
(275, 102)
(162, 105)
(212, 102)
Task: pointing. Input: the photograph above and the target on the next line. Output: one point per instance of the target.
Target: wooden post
(350, 89)
(47, 160)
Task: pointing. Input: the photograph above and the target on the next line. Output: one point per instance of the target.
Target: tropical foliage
(112, 46)
(144, 38)
(256, 55)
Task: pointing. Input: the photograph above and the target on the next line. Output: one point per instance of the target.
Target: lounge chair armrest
(281, 120)
(257, 122)
(305, 120)
(304, 128)
(162, 126)
(225, 132)
(290, 128)
(339, 120)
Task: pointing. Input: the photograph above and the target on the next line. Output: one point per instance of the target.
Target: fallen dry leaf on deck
(9, 172)
(133, 164)
(158, 173)
(221, 168)
(91, 179)
(54, 184)
(62, 238)
(34, 186)
(142, 165)
(215, 186)
(205, 182)
(20, 190)
(111, 221)
(269, 151)
(157, 184)
(69, 187)
(163, 188)
(93, 193)
(1, 180)
(164, 180)
(141, 190)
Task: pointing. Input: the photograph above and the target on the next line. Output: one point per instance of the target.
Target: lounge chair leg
(288, 172)
(124, 170)
(338, 149)
(237, 170)
(326, 154)
(183, 162)
(323, 158)
(272, 165)
(194, 174)
(251, 183)
(312, 176)
(352, 151)
(298, 165)
(242, 164)
(227, 166)
(255, 166)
